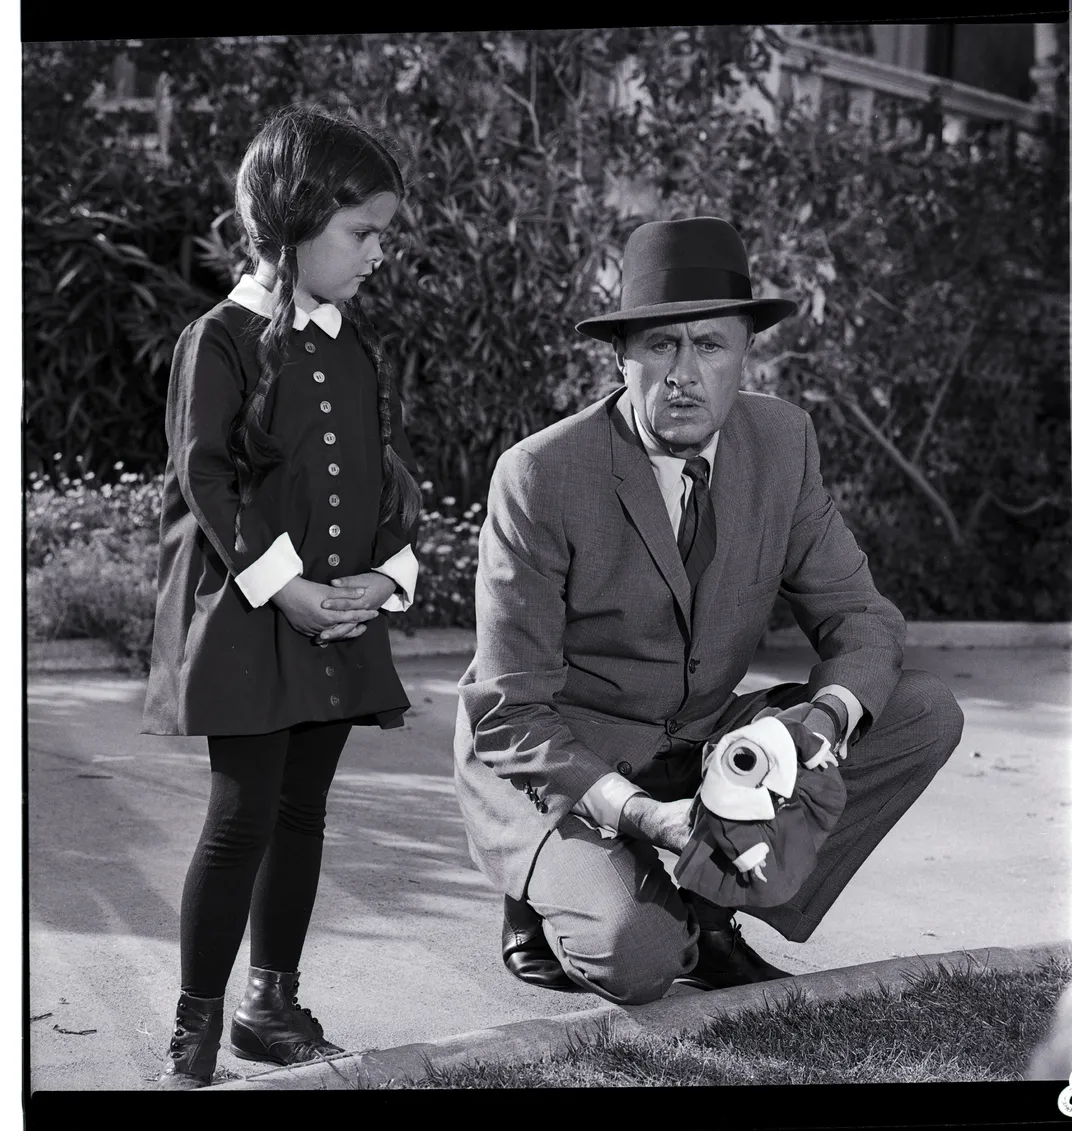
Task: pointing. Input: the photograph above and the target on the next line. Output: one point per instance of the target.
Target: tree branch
(889, 305)
(785, 355)
(910, 469)
(977, 510)
(536, 144)
(1024, 511)
(932, 412)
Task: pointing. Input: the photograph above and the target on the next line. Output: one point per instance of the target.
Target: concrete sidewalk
(403, 947)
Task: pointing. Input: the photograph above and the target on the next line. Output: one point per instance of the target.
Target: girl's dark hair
(303, 166)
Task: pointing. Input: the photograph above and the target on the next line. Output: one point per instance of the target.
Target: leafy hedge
(931, 348)
(92, 556)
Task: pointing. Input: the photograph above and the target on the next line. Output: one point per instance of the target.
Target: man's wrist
(638, 818)
(829, 717)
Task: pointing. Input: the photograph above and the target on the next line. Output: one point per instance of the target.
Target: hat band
(685, 284)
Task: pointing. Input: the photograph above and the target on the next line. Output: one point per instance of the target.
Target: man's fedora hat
(686, 269)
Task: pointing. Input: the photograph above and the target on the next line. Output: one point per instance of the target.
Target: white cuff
(402, 570)
(604, 800)
(751, 857)
(852, 705)
(279, 564)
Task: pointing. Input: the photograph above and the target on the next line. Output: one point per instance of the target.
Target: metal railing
(874, 93)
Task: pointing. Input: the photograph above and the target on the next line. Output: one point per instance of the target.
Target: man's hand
(664, 824)
(304, 604)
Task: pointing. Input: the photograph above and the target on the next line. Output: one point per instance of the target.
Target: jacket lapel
(643, 502)
(730, 480)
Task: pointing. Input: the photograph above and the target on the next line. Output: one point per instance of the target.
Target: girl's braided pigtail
(400, 496)
(254, 449)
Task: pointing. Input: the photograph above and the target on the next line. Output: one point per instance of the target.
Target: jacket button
(625, 769)
(335, 700)
(333, 559)
(693, 665)
(329, 670)
(310, 348)
(318, 377)
(334, 530)
(325, 406)
(333, 469)
(542, 806)
(334, 500)
(329, 437)
(673, 726)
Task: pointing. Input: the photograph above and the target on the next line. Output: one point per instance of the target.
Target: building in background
(977, 76)
(1007, 79)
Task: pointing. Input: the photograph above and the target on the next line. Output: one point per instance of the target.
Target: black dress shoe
(526, 953)
(727, 960)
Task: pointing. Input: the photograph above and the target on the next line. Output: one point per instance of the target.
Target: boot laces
(179, 1030)
(735, 935)
(301, 1009)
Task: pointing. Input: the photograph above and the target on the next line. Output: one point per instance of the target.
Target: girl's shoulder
(228, 325)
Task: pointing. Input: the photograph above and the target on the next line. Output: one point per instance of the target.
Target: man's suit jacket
(591, 649)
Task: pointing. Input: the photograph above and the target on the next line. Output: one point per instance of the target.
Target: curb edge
(542, 1037)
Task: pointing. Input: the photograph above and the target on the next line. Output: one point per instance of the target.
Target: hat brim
(765, 312)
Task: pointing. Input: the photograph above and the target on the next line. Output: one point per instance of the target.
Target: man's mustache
(684, 399)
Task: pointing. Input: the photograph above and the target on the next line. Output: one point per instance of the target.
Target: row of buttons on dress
(333, 469)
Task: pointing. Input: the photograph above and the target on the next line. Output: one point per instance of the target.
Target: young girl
(284, 530)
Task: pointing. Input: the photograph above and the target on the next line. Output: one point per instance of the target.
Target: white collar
(663, 461)
(256, 297)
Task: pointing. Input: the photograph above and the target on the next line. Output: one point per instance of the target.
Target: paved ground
(403, 945)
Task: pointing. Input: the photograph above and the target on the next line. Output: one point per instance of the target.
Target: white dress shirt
(601, 806)
(280, 563)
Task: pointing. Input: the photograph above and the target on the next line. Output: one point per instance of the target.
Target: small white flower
(448, 500)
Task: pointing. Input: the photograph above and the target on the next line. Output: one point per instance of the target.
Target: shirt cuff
(852, 705)
(604, 800)
(279, 564)
(402, 570)
(751, 857)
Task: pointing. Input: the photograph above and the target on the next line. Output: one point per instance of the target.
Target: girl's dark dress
(220, 666)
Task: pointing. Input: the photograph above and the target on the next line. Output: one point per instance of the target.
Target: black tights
(259, 852)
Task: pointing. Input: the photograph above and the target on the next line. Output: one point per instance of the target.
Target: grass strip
(946, 1025)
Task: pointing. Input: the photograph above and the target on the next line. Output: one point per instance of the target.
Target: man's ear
(618, 342)
(748, 346)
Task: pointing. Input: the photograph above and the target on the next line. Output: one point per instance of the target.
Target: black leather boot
(525, 951)
(270, 1025)
(192, 1054)
(727, 960)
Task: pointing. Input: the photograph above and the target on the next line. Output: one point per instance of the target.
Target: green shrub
(447, 549)
(92, 560)
(113, 515)
(93, 591)
(931, 346)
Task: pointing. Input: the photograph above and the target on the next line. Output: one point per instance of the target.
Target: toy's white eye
(745, 763)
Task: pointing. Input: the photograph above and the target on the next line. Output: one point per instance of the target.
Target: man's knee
(636, 960)
(938, 717)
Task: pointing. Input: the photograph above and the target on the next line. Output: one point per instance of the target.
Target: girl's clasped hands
(339, 611)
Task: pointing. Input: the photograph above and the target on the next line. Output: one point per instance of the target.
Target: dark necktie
(696, 538)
